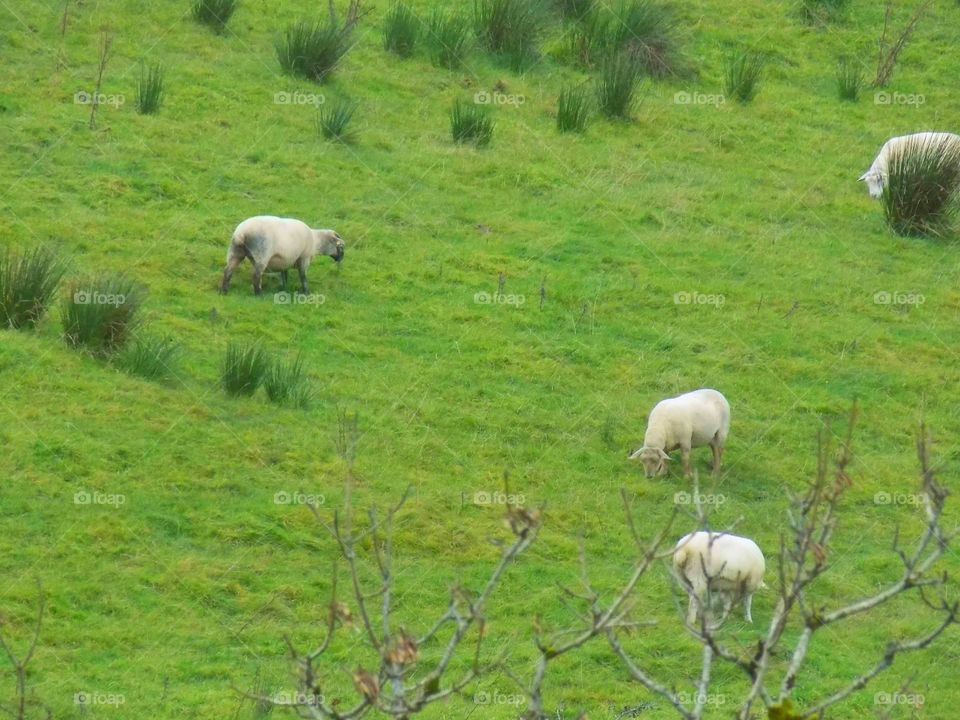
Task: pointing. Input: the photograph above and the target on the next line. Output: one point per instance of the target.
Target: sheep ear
(635, 454)
(664, 455)
(862, 178)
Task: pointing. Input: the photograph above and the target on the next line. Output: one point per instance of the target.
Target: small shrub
(742, 75)
(849, 78)
(920, 196)
(617, 86)
(648, 31)
(471, 123)
(510, 28)
(401, 31)
(573, 109)
(244, 368)
(821, 11)
(333, 119)
(214, 13)
(150, 89)
(151, 358)
(313, 50)
(285, 383)
(101, 313)
(28, 283)
(447, 38)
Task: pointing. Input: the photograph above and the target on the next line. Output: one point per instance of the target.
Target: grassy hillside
(189, 585)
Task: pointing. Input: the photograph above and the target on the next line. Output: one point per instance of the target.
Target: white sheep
(278, 244)
(694, 419)
(719, 565)
(876, 176)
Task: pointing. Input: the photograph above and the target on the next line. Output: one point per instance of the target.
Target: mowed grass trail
(719, 245)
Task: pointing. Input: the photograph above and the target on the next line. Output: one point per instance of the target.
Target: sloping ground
(187, 583)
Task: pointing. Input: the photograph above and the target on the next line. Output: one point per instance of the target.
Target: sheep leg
(283, 280)
(232, 264)
(258, 278)
(727, 605)
(717, 456)
(747, 600)
(303, 278)
(685, 459)
(692, 610)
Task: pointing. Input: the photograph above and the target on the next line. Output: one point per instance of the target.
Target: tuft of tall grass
(821, 11)
(214, 13)
(401, 30)
(849, 78)
(742, 74)
(313, 50)
(150, 89)
(29, 281)
(333, 120)
(576, 9)
(922, 189)
(648, 31)
(617, 86)
(244, 368)
(573, 109)
(100, 314)
(285, 383)
(510, 28)
(447, 38)
(151, 358)
(471, 123)
(592, 38)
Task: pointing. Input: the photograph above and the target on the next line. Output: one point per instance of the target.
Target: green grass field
(751, 212)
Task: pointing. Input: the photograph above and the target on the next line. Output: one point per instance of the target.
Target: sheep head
(874, 183)
(330, 243)
(654, 460)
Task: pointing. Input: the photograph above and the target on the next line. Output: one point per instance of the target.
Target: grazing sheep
(278, 244)
(731, 567)
(876, 176)
(694, 419)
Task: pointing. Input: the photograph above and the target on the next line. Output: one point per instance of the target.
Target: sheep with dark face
(278, 244)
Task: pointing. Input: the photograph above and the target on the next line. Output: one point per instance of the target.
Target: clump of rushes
(471, 123)
(510, 29)
(150, 89)
(575, 9)
(285, 383)
(214, 13)
(333, 120)
(447, 39)
(29, 282)
(742, 74)
(592, 38)
(244, 368)
(849, 78)
(573, 109)
(100, 314)
(401, 30)
(920, 196)
(617, 86)
(648, 31)
(313, 50)
(151, 358)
